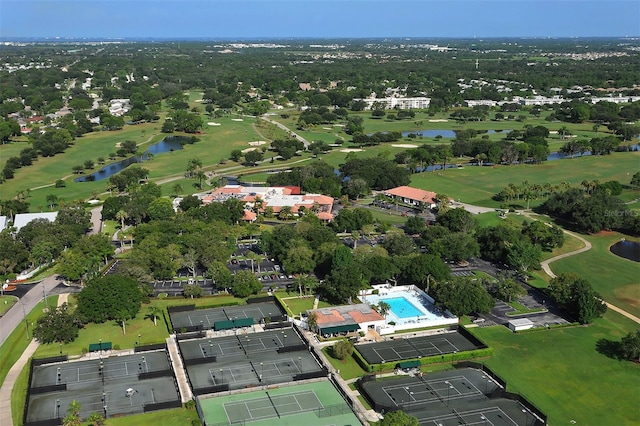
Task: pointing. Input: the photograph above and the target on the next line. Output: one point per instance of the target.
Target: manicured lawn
(19, 395)
(494, 219)
(477, 185)
(561, 372)
(298, 304)
(17, 341)
(349, 368)
(175, 417)
(617, 279)
(141, 325)
(570, 244)
(6, 302)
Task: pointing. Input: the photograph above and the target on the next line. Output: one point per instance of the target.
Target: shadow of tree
(609, 348)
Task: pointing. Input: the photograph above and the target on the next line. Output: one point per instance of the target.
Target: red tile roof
(328, 317)
(412, 194)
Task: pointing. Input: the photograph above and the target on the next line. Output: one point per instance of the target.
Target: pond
(445, 133)
(168, 144)
(627, 249)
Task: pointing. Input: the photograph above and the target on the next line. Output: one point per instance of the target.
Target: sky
(247, 19)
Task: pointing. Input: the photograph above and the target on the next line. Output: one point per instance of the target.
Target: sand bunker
(211, 123)
(404, 145)
(237, 119)
(439, 120)
(257, 143)
(249, 149)
(351, 150)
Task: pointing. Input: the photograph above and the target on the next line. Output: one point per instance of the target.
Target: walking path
(587, 247)
(178, 368)
(14, 372)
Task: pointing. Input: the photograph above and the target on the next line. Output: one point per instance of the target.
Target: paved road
(15, 316)
(587, 247)
(286, 129)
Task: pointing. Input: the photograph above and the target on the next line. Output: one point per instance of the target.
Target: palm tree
(73, 416)
(96, 418)
(253, 256)
(177, 189)
(122, 316)
(200, 176)
(52, 200)
(286, 213)
(121, 215)
(154, 312)
(383, 309)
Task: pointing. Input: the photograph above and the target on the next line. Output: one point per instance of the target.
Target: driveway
(15, 315)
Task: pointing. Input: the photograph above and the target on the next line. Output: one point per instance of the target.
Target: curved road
(587, 247)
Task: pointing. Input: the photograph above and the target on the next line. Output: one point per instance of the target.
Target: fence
(211, 389)
(49, 360)
(162, 405)
(153, 347)
(295, 348)
(311, 375)
(191, 335)
(197, 361)
(50, 422)
(332, 410)
(155, 374)
(50, 388)
(182, 308)
(260, 299)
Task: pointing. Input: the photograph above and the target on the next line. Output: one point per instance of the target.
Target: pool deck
(430, 314)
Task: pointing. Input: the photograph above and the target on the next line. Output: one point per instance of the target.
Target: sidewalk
(12, 376)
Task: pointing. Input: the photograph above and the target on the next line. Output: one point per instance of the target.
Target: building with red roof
(259, 198)
(413, 196)
(340, 320)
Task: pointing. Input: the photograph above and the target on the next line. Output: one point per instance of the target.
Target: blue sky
(234, 19)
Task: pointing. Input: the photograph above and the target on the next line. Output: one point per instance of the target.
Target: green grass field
(477, 185)
(617, 279)
(141, 325)
(17, 341)
(175, 417)
(6, 302)
(298, 305)
(562, 373)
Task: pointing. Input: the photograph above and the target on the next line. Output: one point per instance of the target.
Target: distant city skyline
(270, 19)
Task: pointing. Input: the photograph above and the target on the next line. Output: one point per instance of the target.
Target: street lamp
(139, 339)
(300, 363)
(221, 376)
(58, 407)
(261, 371)
(526, 413)
(60, 349)
(482, 417)
(58, 377)
(210, 348)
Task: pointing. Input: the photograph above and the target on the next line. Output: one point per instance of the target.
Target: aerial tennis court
(317, 403)
(112, 386)
(219, 318)
(415, 347)
(248, 360)
(450, 398)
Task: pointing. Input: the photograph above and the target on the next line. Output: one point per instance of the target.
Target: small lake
(167, 144)
(445, 133)
(627, 249)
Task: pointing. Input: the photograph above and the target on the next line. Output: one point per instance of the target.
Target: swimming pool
(402, 307)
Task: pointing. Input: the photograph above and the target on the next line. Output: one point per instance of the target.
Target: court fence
(211, 389)
(332, 410)
(201, 360)
(153, 347)
(502, 392)
(262, 299)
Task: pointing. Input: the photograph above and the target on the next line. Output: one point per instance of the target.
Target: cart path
(587, 247)
(14, 372)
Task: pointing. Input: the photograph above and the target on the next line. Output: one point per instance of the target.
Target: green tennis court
(317, 403)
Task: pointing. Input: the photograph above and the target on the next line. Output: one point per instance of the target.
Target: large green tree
(57, 325)
(103, 298)
(398, 418)
(245, 283)
(463, 296)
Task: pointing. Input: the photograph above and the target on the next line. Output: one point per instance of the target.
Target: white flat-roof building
(3, 222)
(398, 103)
(23, 219)
(520, 324)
